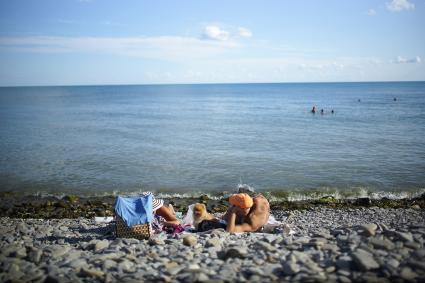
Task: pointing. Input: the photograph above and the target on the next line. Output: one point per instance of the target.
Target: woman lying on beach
(247, 214)
(166, 212)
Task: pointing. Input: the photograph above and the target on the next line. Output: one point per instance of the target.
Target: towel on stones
(134, 210)
(275, 226)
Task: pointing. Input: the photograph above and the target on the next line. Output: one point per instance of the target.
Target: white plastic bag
(188, 219)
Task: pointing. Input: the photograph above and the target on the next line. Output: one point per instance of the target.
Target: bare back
(255, 219)
(260, 212)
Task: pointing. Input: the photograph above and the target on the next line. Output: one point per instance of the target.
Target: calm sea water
(209, 138)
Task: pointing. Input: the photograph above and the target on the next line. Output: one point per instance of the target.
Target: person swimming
(313, 110)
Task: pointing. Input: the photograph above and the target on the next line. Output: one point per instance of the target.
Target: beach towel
(134, 210)
(275, 227)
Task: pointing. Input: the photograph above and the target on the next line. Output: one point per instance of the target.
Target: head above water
(241, 200)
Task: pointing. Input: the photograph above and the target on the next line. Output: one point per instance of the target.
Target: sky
(92, 42)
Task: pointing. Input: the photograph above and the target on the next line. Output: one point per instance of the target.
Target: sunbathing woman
(247, 214)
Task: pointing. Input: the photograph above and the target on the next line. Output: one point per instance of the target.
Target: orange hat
(241, 200)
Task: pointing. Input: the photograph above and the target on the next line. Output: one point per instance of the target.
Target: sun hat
(156, 203)
(241, 200)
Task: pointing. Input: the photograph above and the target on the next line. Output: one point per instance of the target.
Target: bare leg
(168, 214)
(170, 206)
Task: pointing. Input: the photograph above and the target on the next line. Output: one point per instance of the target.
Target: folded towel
(134, 210)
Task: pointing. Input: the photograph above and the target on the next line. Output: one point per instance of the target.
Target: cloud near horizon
(400, 5)
(402, 60)
(191, 59)
(172, 48)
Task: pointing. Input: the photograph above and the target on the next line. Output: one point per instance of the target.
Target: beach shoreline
(15, 205)
(361, 244)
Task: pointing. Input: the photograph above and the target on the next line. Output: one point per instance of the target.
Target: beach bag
(133, 217)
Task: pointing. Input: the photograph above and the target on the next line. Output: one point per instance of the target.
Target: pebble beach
(365, 244)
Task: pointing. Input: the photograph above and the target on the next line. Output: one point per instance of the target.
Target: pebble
(236, 252)
(368, 229)
(92, 272)
(100, 245)
(213, 242)
(190, 240)
(381, 243)
(328, 245)
(290, 268)
(407, 237)
(364, 260)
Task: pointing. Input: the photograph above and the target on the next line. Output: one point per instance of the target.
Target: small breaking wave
(273, 195)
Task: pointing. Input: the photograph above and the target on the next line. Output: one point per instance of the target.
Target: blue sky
(75, 42)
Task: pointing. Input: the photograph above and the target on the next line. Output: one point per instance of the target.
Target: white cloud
(371, 12)
(244, 32)
(402, 60)
(172, 48)
(215, 33)
(220, 33)
(400, 5)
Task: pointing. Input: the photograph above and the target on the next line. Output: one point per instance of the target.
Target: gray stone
(407, 273)
(156, 241)
(412, 245)
(100, 245)
(344, 262)
(312, 267)
(381, 244)
(202, 277)
(126, 266)
(92, 272)
(368, 229)
(265, 246)
(213, 242)
(173, 270)
(35, 255)
(77, 264)
(416, 264)
(130, 241)
(193, 267)
(236, 252)
(23, 228)
(393, 263)
(344, 272)
(364, 260)
(52, 279)
(109, 264)
(190, 240)
(255, 271)
(290, 268)
(59, 251)
(405, 236)
(318, 242)
(20, 253)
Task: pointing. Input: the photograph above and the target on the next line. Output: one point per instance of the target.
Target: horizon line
(205, 83)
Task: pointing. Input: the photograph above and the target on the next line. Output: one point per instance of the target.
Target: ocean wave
(273, 195)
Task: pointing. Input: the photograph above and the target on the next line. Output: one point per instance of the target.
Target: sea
(194, 139)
